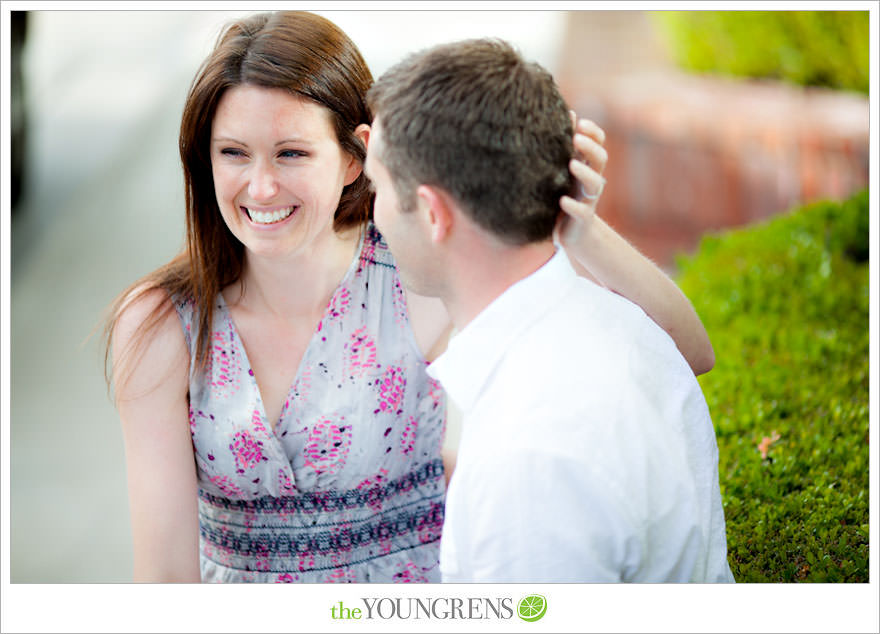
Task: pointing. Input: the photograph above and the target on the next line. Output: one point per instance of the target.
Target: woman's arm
(151, 395)
(602, 255)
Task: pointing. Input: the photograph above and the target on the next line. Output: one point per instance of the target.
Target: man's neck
(484, 272)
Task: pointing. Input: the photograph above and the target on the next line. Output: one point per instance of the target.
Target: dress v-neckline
(273, 431)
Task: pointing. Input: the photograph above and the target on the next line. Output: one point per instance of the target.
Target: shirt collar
(473, 353)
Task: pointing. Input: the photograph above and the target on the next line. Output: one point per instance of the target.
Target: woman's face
(278, 170)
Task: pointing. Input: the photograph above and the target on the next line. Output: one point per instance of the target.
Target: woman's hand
(587, 166)
(600, 254)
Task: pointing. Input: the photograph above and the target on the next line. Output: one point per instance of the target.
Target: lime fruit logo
(532, 607)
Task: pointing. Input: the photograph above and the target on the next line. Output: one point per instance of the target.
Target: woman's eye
(291, 154)
(231, 151)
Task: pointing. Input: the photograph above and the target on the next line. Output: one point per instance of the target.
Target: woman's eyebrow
(294, 139)
(227, 139)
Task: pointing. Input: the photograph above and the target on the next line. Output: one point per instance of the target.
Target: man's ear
(439, 211)
(355, 167)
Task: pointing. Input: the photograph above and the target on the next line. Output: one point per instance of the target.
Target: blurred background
(97, 190)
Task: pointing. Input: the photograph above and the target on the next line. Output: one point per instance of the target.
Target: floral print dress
(349, 485)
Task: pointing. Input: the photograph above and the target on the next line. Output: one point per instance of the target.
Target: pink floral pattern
(247, 450)
(391, 388)
(399, 303)
(224, 365)
(372, 487)
(411, 573)
(226, 485)
(285, 484)
(328, 445)
(339, 304)
(408, 436)
(348, 485)
(361, 353)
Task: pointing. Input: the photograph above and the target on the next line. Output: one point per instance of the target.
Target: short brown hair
(490, 128)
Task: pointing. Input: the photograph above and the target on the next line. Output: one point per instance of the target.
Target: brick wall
(690, 154)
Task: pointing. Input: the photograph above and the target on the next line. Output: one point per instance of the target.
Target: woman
(316, 432)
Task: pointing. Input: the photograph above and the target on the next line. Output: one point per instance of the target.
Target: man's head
(488, 128)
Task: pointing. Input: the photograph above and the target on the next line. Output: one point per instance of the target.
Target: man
(587, 452)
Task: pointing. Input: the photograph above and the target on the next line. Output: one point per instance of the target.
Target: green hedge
(785, 303)
(813, 48)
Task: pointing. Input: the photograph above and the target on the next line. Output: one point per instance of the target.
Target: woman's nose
(263, 183)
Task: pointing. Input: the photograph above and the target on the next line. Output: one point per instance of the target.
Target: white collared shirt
(587, 453)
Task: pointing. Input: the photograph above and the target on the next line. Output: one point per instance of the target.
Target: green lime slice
(532, 607)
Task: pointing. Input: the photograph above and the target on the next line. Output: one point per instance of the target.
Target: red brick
(691, 154)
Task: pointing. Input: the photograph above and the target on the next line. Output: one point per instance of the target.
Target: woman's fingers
(587, 167)
(590, 181)
(591, 129)
(577, 209)
(591, 152)
(589, 139)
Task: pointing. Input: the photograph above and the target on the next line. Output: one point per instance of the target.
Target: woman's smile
(266, 217)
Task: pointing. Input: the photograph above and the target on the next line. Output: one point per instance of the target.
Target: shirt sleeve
(544, 517)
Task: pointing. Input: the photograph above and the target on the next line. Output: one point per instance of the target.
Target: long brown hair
(300, 52)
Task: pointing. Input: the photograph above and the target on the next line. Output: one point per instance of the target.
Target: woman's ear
(355, 166)
(363, 133)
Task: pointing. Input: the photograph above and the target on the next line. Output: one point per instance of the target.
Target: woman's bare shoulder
(139, 303)
(148, 344)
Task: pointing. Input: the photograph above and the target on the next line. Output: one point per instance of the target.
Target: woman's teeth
(269, 217)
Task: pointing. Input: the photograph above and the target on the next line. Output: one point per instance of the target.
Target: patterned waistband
(333, 501)
(323, 530)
